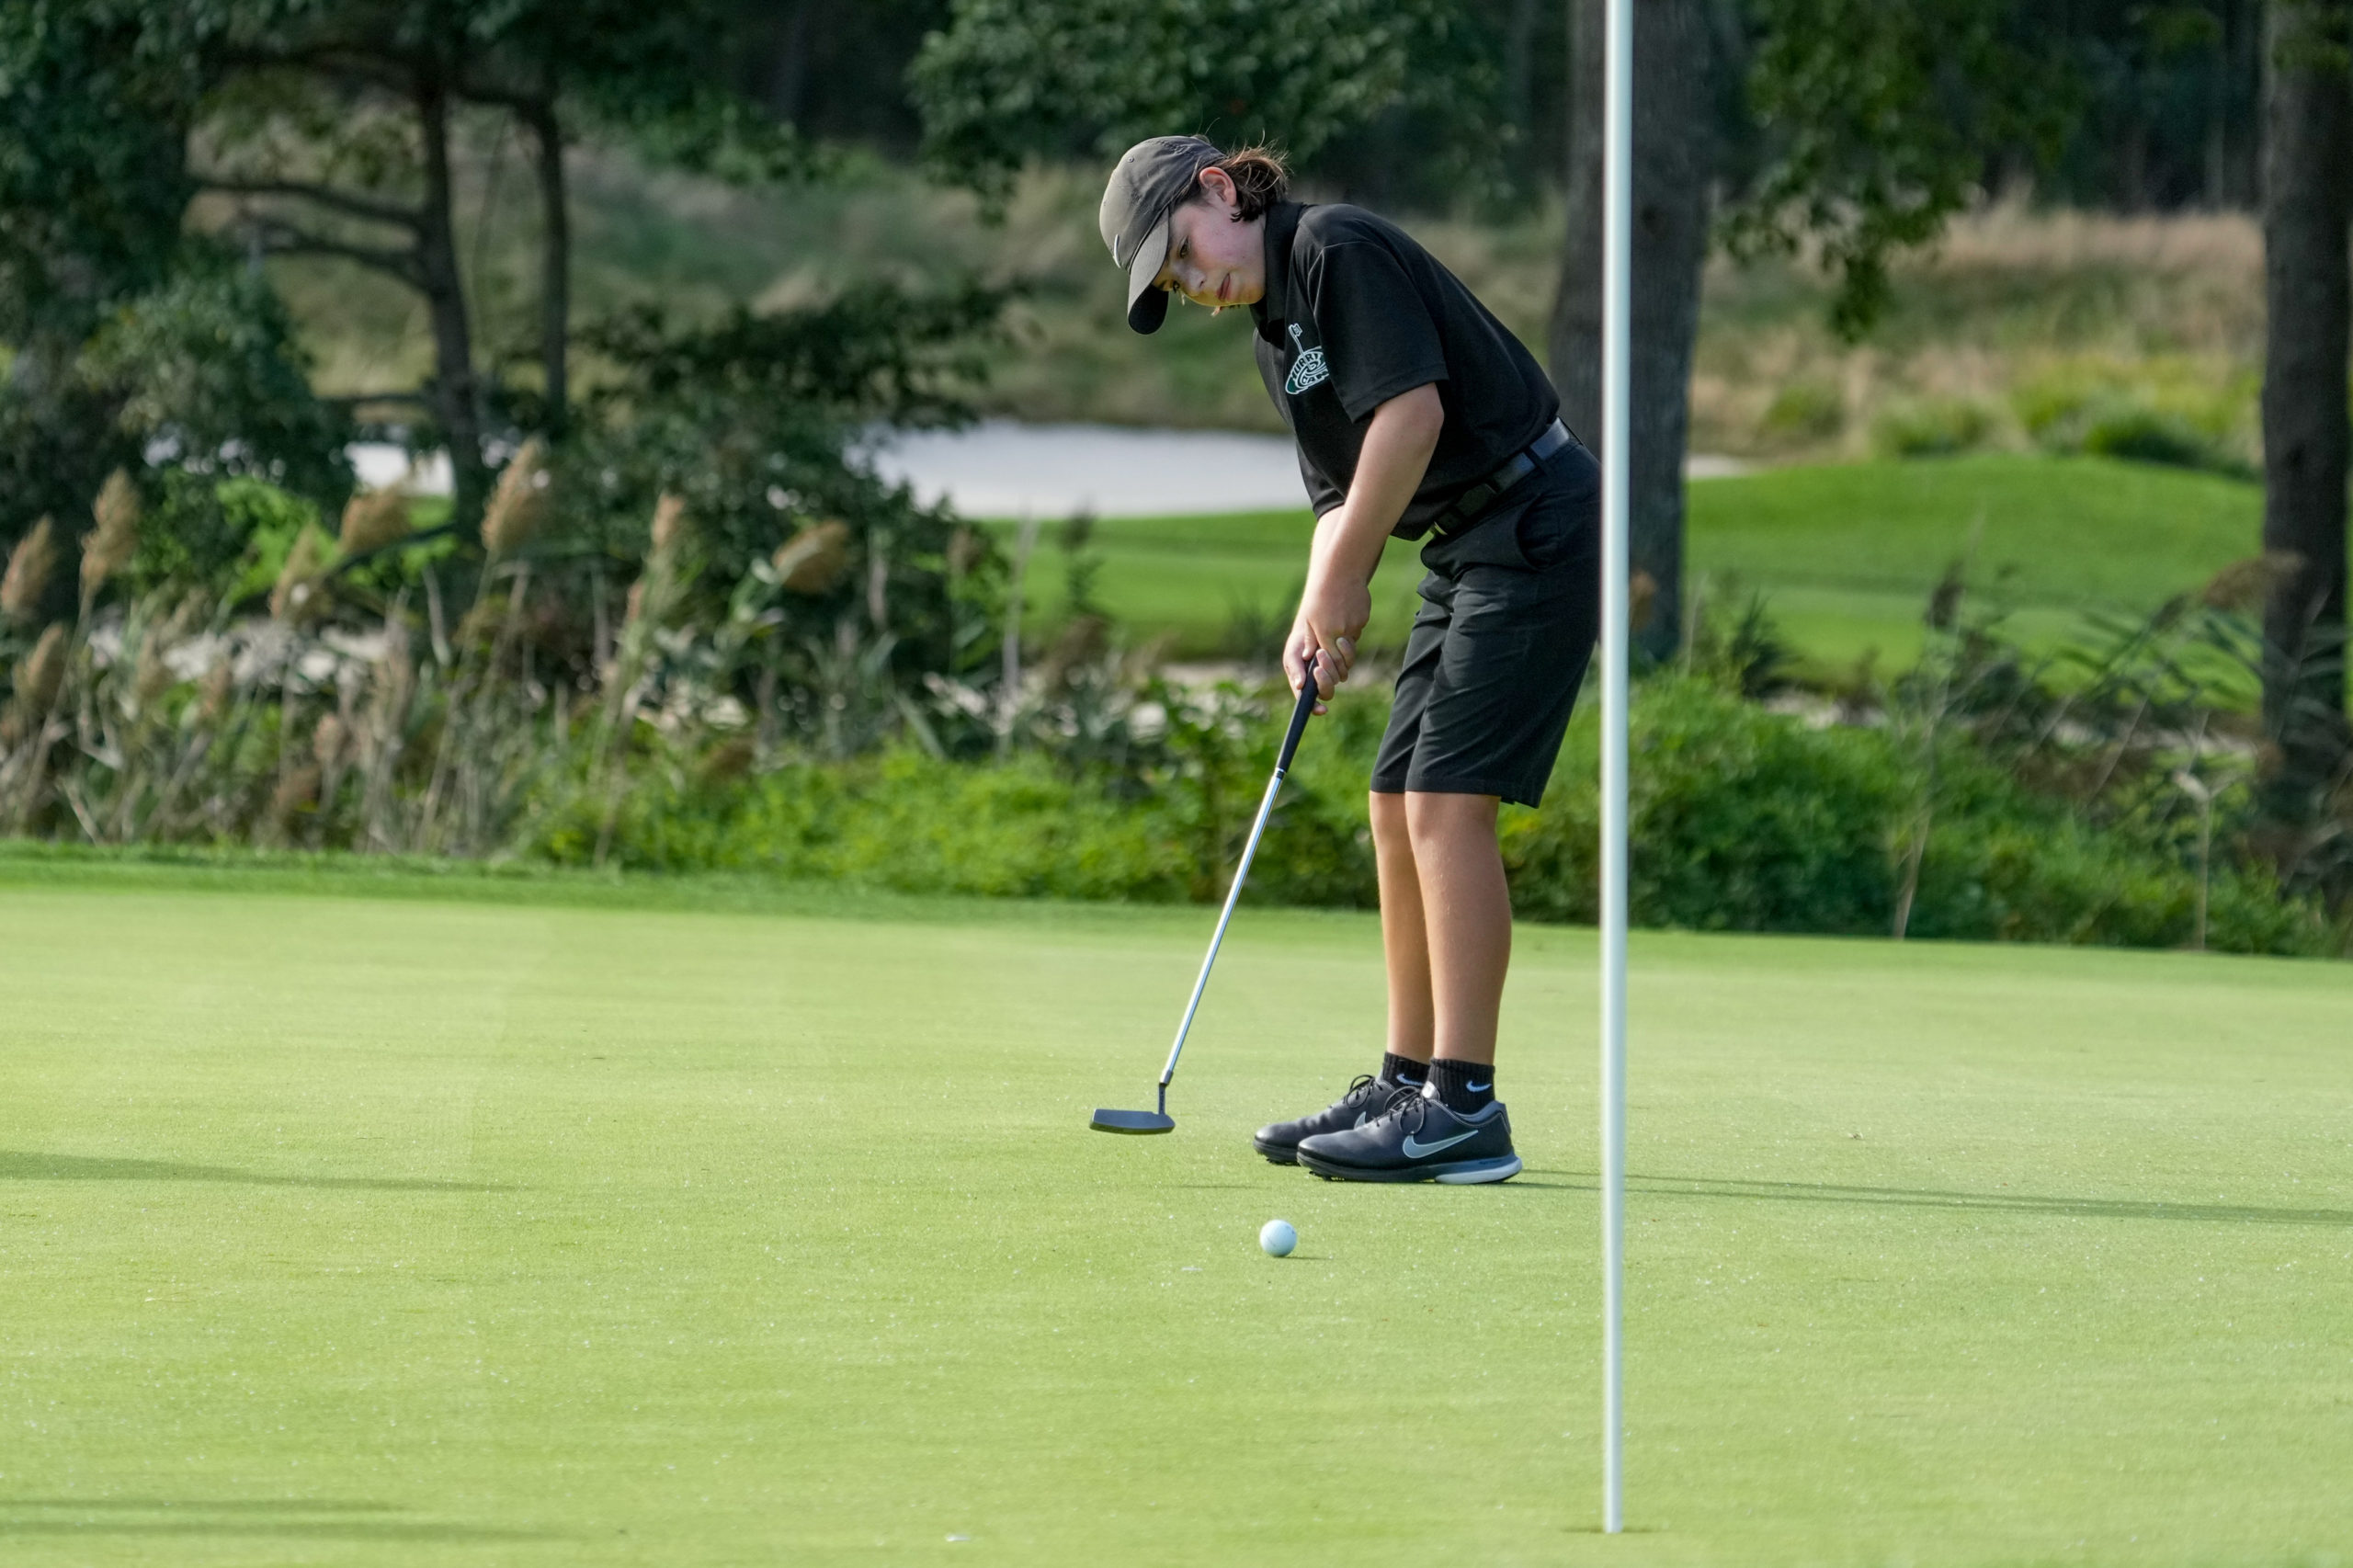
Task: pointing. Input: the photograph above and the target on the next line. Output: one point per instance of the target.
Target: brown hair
(1260, 179)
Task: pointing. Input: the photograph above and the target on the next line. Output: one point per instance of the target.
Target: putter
(1148, 1121)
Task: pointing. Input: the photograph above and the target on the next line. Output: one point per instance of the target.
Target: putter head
(1134, 1121)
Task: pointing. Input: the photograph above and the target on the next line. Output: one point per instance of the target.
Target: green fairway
(511, 1228)
(1846, 555)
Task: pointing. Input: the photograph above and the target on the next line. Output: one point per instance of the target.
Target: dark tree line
(2171, 95)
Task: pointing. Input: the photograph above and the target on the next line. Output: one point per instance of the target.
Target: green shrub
(908, 821)
(2179, 421)
(1741, 819)
(2152, 435)
(228, 534)
(1935, 427)
(2004, 864)
(1804, 412)
(1991, 879)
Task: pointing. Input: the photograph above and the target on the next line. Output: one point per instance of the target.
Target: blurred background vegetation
(1970, 642)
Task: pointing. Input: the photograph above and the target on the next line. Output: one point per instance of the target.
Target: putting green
(517, 1230)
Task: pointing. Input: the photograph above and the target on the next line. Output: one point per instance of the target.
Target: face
(1213, 259)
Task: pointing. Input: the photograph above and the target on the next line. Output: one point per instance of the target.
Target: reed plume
(152, 677)
(296, 793)
(393, 679)
(44, 669)
(328, 739)
(521, 502)
(39, 674)
(116, 538)
(153, 674)
(29, 565)
(298, 590)
(482, 622)
(372, 521)
(812, 561)
(220, 685)
(652, 595)
(2244, 586)
(669, 523)
(965, 550)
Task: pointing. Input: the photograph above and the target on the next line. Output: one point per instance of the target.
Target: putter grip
(1299, 717)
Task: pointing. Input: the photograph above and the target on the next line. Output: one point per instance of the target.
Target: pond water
(999, 468)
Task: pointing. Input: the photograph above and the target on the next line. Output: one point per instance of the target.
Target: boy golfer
(1417, 414)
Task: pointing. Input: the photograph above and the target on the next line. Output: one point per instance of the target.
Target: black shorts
(1501, 642)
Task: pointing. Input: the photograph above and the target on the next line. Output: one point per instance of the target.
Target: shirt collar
(1273, 307)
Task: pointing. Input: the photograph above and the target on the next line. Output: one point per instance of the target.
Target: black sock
(1403, 1071)
(1463, 1088)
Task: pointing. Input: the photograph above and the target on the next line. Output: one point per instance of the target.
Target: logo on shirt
(1309, 369)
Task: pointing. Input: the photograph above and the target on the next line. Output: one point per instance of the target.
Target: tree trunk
(1519, 67)
(2307, 202)
(455, 394)
(1674, 159)
(555, 262)
(788, 69)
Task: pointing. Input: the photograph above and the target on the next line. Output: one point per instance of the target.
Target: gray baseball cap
(1153, 179)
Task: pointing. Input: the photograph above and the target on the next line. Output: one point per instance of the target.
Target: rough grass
(354, 1229)
(1845, 554)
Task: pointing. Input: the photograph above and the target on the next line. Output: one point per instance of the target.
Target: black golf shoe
(1416, 1138)
(1361, 1104)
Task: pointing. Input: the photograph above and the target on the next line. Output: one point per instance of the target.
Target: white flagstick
(1616, 308)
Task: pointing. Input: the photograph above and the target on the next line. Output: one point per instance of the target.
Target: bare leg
(1403, 942)
(1465, 909)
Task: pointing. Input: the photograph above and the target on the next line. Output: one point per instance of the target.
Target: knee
(1391, 833)
(1439, 823)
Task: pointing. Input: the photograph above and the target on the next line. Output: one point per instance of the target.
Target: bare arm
(1348, 539)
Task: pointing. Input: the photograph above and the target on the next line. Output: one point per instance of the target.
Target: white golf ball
(1278, 1238)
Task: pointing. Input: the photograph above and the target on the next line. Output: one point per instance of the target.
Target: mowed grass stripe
(371, 1230)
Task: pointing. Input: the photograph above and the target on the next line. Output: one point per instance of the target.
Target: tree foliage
(1012, 79)
(1880, 119)
(95, 102)
(209, 377)
(750, 419)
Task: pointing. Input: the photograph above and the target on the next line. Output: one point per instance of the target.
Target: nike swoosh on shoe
(1415, 1149)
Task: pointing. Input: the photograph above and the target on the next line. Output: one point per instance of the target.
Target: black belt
(1474, 503)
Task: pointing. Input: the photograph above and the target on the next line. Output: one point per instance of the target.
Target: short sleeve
(1378, 334)
(1322, 494)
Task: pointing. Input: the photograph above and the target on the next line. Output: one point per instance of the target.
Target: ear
(1217, 186)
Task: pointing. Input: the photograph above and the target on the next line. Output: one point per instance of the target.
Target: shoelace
(1407, 1105)
(1361, 1087)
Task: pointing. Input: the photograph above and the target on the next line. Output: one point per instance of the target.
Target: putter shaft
(1232, 896)
(1306, 706)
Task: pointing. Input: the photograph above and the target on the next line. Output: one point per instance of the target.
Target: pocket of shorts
(1561, 523)
(1552, 538)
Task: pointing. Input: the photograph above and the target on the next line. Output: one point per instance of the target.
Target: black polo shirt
(1357, 313)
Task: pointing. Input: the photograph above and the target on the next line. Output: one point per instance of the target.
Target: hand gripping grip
(1299, 717)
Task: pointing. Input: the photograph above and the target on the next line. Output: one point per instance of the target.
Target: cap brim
(1148, 304)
